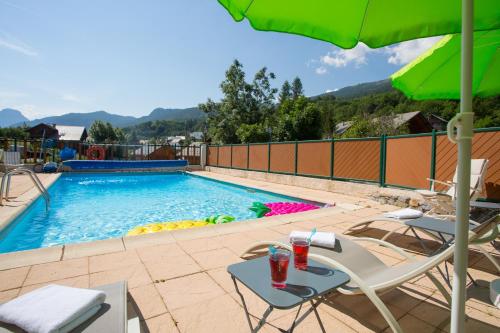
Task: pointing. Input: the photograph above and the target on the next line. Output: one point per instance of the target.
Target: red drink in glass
(279, 267)
(300, 251)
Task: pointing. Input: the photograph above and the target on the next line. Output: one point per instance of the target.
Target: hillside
(86, 119)
(10, 117)
(360, 90)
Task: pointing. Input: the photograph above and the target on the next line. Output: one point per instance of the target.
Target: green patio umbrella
(374, 22)
(379, 23)
(436, 73)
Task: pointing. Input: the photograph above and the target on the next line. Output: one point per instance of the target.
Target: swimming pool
(86, 207)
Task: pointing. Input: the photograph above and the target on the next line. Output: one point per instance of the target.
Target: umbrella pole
(464, 124)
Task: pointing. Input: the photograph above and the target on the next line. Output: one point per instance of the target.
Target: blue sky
(129, 57)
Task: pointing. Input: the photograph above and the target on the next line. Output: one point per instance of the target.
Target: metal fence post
(296, 157)
(248, 156)
(218, 148)
(269, 157)
(433, 159)
(383, 147)
(332, 157)
(231, 156)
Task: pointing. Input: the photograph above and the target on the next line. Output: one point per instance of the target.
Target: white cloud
(321, 70)
(405, 52)
(342, 58)
(9, 42)
(331, 90)
(71, 98)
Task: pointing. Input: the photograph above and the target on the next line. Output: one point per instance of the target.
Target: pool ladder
(5, 186)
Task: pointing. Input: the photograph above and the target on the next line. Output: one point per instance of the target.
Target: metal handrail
(5, 185)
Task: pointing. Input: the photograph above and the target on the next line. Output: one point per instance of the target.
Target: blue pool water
(86, 207)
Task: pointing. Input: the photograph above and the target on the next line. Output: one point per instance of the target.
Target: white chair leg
(383, 309)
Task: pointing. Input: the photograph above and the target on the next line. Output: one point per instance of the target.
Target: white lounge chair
(11, 160)
(370, 276)
(477, 177)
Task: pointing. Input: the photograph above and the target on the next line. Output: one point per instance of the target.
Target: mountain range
(8, 118)
(359, 90)
(11, 117)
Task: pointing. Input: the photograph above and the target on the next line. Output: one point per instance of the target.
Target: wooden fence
(401, 161)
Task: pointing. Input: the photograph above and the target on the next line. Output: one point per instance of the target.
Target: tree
(285, 92)
(297, 89)
(101, 132)
(242, 104)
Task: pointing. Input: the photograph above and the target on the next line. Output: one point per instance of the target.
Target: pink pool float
(281, 208)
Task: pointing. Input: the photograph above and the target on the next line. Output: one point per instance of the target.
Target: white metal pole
(464, 137)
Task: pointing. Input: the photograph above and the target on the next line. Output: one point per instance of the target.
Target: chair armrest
(388, 245)
(447, 183)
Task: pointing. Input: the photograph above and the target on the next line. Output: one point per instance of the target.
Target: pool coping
(25, 201)
(77, 250)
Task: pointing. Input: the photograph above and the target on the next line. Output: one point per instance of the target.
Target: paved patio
(178, 281)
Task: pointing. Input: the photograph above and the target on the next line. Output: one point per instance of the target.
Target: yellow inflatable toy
(166, 226)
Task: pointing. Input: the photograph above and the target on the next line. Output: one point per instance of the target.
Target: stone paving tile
(94, 248)
(106, 262)
(264, 234)
(148, 300)
(222, 278)
(7, 295)
(160, 252)
(30, 257)
(217, 314)
(57, 271)
(358, 312)
(411, 324)
(188, 291)
(136, 275)
(237, 243)
(160, 324)
(157, 238)
(215, 258)
(310, 324)
(172, 267)
(81, 281)
(199, 245)
(13, 278)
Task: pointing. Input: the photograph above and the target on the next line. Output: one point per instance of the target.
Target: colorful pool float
(280, 208)
(166, 226)
(185, 224)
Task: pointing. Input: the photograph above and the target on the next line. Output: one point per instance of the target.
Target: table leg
(421, 241)
(314, 306)
(262, 321)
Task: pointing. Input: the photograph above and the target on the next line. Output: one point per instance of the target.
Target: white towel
(52, 309)
(405, 213)
(325, 239)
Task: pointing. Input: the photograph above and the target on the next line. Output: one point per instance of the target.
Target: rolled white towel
(325, 239)
(405, 213)
(52, 309)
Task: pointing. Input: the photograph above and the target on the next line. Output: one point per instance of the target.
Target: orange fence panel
(212, 155)
(314, 158)
(484, 145)
(357, 159)
(225, 156)
(408, 161)
(258, 157)
(283, 157)
(240, 157)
